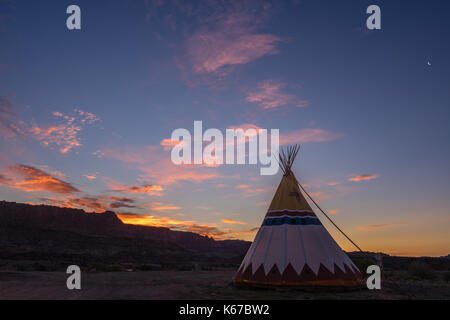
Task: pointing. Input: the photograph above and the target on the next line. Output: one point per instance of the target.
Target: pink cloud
(132, 155)
(364, 177)
(64, 135)
(210, 51)
(157, 166)
(166, 173)
(246, 126)
(250, 192)
(319, 196)
(168, 144)
(269, 95)
(308, 135)
(30, 179)
(231, 221)
(381, 226)
(229, 37)
(158, 206)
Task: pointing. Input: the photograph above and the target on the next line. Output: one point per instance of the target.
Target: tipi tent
(292, 247)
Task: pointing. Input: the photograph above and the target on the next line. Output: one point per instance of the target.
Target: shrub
(421, 270)
(447, 276)
(363, 262)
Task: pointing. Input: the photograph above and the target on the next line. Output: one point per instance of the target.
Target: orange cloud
(175, 224)
(364, 177)
(121, 204)
(204, 208)
(241, 186)
(121, 199)
(166, 173)
(334, 211)
(93, 204)
(319, 195)
(230, 221)
(63, 135)
(269, 95)
(381, 226)
(148, 189)
(30, 179)
(158, 206)
(133, 155)
(154, 190)
(245, 235)
(168, 144)
(250, 192)
(157, 166)
(246, 126)
(90, 176)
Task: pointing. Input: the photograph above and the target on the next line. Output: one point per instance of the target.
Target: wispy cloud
(90, 203)
(149, 189)
(270, 95)
(210, 51)
(231, 221)
(9, 122)
(156, 165)
(334, 211)
(319, 196)
(65, 134)
(158, 206)
(308, 135)
(168, 144)
(94, 203)
(90, 176)
(229, 37)
(364, 177)
(381, 226)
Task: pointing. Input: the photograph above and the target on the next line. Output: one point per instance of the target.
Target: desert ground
(149, 285)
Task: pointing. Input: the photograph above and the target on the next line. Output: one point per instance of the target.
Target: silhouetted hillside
(63, 235)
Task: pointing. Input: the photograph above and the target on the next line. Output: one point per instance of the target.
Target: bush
(149, 267)
(447, 276)
(363, 262)
(421, 270)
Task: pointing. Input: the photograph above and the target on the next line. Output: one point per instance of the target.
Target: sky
(86, 116)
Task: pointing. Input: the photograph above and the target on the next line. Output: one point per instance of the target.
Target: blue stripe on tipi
(301, 221)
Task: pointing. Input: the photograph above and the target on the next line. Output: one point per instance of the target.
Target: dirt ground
(184, 285)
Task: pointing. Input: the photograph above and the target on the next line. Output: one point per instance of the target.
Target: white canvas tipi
(292, 247)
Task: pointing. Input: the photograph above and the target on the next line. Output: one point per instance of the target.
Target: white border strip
(288, 210)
